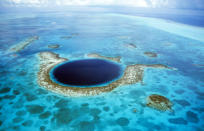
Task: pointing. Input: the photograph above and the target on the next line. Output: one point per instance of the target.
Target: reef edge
(132, 74)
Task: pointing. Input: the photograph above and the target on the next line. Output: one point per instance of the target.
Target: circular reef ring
(49, 60)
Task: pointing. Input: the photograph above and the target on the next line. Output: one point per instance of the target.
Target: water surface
(25, 106)
(87, 72)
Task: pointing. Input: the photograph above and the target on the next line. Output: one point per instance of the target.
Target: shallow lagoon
(24, 105)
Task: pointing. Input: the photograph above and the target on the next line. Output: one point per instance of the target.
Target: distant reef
(150, 54)
(130, 46)
(53, 46)
(69, 36)
(132, 74)
(20, 46)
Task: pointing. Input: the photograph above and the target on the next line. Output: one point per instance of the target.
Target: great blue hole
(86, 72)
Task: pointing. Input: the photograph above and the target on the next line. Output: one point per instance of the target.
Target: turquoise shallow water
(24, 105)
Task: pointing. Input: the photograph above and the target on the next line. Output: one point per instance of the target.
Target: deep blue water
(24, 105)
(86, 72)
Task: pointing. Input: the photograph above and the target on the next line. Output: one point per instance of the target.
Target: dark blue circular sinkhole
(86, 72)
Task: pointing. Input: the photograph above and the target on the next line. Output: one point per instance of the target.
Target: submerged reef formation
(95, 55)
(132, 74)
(159, 102)
(47, 61)
(23, 44)
(150, 54)
(54, 46)
(66, 37)
(69, 36)
(130, 45)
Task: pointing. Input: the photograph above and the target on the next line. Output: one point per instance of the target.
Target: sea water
(24, 105)
(86, 72)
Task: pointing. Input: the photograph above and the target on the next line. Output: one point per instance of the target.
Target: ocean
(176, 42)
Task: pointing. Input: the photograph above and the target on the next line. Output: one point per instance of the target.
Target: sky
(180, 4)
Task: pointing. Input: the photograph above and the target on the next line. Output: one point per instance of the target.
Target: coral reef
(23, 44)
(132, 74)
(150, 54)
(47, 61)
(122, 121)
(69, 36)
(160, 66)
(178, 121)
(159, 102)
(54, 46)
(95, 55)
(130, 45)
(66, 37)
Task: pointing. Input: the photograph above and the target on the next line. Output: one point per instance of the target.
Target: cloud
(191, 4)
